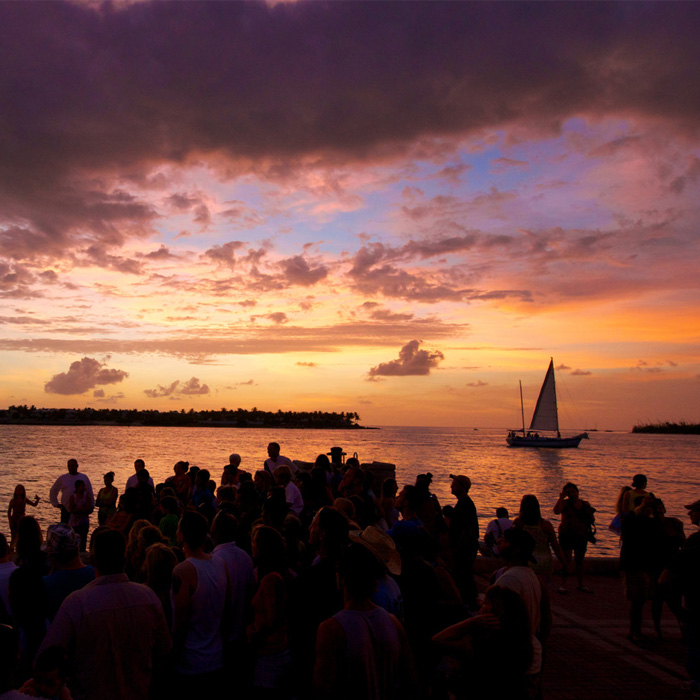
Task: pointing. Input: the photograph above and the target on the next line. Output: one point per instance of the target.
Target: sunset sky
(395, 208)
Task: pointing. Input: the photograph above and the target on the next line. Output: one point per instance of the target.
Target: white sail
(545, 416)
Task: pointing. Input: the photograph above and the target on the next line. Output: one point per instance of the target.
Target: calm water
(37, 455)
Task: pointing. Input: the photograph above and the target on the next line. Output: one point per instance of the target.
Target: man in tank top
(362, 651)
(201, 612)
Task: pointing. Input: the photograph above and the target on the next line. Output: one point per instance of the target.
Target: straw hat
(381, 545)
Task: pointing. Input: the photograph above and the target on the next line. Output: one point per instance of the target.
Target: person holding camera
(576, 530)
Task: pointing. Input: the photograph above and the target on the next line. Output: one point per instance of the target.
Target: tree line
(224, 417)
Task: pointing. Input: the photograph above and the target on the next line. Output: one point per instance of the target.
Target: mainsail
(545, 416)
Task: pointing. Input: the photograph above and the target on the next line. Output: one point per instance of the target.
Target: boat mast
(522, 409)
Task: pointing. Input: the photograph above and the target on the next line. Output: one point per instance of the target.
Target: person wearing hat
(463, 537)
(388, 593)
(68, 573)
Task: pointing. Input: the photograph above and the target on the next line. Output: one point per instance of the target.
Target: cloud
(411, 361)
(648, 367)
(163, 253)
(374, 271)
(161, 391)
(297, 271)
(83, 375)
(306, 364)
(581, 373)
(224, 254)
(183, 201)
(272, 339)
(477, 384)
(277, 317)
(254, 89)
(387, 315)
(111, 399)
(192, 387)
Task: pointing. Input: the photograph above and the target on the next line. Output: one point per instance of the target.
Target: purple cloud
(83, 375)
(275, 96)
(411, 361)
(224, 254)
(192, 387)
(297, 271)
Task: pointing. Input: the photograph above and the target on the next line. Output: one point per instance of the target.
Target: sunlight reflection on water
(36, 455)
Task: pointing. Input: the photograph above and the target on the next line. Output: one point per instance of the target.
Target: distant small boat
(545, 417)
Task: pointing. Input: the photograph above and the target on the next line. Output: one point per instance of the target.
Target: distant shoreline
(223, 418)
(667, 428)
(202, 424)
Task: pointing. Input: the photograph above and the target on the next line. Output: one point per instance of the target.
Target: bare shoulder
(184, 576)
(330, 632)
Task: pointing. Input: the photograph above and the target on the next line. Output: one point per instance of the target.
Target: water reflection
(36, 456)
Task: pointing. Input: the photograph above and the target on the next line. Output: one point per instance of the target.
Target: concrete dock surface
(588, 655)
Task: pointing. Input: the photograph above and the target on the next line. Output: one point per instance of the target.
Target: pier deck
(588, 656)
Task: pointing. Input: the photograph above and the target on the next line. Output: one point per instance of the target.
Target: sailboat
(544, 418)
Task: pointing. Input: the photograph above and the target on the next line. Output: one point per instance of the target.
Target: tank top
(373, 654)
(203, 650)
(542, 552)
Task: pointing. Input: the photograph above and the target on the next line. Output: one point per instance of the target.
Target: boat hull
(539, 441)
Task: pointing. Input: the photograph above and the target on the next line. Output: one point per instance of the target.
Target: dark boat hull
(556, 442)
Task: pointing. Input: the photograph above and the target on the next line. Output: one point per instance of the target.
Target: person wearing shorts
(575, 532)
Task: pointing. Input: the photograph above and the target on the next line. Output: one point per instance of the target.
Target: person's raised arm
(559, 505)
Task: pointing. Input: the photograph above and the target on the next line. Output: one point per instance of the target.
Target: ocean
(37, 455)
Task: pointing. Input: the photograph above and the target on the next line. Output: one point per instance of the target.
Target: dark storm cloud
(93, 92)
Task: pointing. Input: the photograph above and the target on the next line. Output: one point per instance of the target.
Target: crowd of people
(291, 583)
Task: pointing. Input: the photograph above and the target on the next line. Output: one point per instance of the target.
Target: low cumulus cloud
(298, 271)
(411, 361)
(648, 367)
(224, 254)
(192, 387)
(82, 376)
(277, 317)
(111, 399)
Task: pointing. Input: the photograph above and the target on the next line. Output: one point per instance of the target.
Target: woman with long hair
(542, 531)
(18, 509)
(267, 633)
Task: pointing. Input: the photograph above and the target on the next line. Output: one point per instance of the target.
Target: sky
(399, 209)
